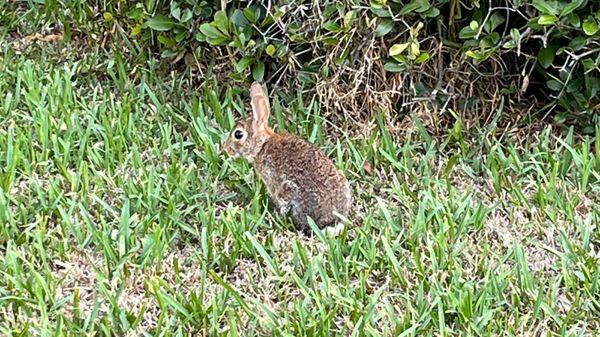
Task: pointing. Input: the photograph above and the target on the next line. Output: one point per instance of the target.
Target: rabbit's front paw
(284, 207)
(335, 230)
(283, 197)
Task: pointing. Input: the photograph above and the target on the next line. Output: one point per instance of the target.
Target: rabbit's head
(249, 134)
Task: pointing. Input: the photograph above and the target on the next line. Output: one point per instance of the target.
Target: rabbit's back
(297, 172)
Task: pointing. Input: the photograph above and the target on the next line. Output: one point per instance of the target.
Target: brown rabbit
(301, 180)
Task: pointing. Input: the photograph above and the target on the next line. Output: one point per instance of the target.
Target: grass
(119, 215)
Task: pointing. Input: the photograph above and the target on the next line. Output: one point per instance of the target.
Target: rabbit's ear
(260, 106)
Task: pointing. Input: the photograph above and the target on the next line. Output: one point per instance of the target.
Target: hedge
(536, 53)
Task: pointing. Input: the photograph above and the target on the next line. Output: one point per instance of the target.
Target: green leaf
(332, 26)
(384, 27)
(136, 14)
(515, 40)
(167, 41)
(494, 21)
(238, 19)
(474, 25)
(544, 7)
(546, 56)
(472, 54)
(422, 58)
(398, 48)
(270, 50)
(221, 21)
(547, 19)
(431, 12)
(571, 7)
(479, 56)
(349, 18)
(467, 33)
(331, 41)
(574, 20)
(258, 71)
(175, 11)
(590, 26)
(244, 63)
(108, 17)
(588, 64)
(380, 12)
(181, 36)
(160, 23)
(136, 30)
(490, 40)
(515, 35)
(212, 33)
(414, 50)
(578, 43)
(401, 59)
(554, 85)
(414, 5)
(425, 6)
(250, 14)
(378, 3)
(168, 53)
(187, 15)
(394, 67)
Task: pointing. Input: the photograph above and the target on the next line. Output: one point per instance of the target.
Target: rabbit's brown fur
(301, 180)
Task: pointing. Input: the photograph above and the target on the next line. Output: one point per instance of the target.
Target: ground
(120, 215)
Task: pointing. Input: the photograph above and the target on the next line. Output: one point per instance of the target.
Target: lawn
(120, 215)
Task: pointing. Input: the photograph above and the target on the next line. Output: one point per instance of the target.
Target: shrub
(542, 51)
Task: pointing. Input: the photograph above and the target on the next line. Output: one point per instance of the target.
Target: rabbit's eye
(238, 134)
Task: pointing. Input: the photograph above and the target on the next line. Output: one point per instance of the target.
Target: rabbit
(300, 179)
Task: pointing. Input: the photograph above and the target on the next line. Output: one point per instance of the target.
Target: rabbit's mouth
(229, 151)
